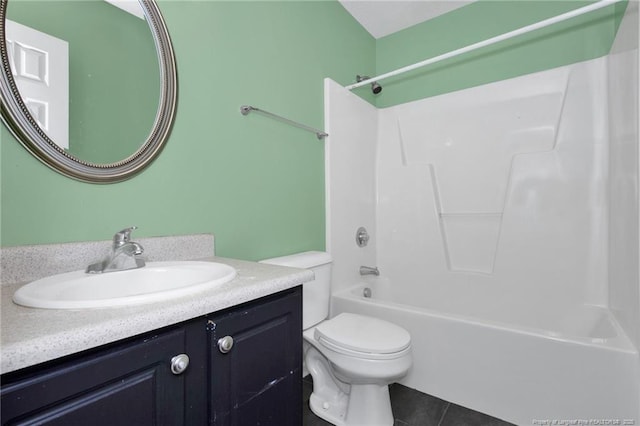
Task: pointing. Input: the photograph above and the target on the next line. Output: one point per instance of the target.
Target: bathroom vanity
(243, 342)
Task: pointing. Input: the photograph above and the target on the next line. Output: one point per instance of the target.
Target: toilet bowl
(352, 358)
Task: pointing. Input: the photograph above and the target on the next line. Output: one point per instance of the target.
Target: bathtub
(533, 363)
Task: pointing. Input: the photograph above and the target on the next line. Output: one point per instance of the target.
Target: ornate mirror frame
(23, 126)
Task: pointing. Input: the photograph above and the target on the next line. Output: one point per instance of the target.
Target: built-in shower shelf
(470, 240)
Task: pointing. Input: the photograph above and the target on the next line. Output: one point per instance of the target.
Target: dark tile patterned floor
(412, 408)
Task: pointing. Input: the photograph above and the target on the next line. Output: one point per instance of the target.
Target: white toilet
(352, 358)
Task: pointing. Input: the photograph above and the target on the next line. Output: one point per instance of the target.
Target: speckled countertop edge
(31, 336)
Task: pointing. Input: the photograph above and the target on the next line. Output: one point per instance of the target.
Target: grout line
(444, 413)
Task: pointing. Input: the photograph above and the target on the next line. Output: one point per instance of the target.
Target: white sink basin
(157, 281)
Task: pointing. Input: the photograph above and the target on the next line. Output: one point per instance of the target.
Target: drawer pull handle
(225, 344)
(179, 363)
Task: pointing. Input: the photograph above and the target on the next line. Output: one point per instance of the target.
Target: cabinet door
(126, 384)
(259, 380)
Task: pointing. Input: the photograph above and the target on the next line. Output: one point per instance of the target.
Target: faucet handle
(123, 236)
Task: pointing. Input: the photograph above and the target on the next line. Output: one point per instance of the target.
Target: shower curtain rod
(246, 109)
(541, 24)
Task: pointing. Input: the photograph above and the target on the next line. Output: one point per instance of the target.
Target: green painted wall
(112, 73)
(256, 183)
(586, 37)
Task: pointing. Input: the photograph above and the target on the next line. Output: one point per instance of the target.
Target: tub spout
(368, 270)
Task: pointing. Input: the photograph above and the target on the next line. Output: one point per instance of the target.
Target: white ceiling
(384, 17)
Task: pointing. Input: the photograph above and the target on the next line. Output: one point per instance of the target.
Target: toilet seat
(363, 337)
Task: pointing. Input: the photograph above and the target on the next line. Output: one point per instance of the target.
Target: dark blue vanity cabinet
(256, 364)
(128, 382)
(244, 369)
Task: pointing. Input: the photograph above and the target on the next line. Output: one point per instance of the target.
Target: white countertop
(30, 336)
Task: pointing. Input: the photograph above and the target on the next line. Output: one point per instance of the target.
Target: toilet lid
(362, 334)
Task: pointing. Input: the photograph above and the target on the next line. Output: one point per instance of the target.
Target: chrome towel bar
(246, 109)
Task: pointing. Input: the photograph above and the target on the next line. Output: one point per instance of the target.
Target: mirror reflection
(107, 91)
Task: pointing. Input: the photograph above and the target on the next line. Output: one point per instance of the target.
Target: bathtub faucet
(368, 270)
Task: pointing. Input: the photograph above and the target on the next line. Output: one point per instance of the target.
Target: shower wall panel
(350, 159)
(498, 191)
(469, 143)
(623, 117)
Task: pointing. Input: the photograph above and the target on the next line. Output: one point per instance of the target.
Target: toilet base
(332, 410)
(364, 405)
(346, 404)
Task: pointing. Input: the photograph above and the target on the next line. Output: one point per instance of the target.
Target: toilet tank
(316, 293)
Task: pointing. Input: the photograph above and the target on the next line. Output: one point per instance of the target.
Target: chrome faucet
(124, 255)
(368, 270)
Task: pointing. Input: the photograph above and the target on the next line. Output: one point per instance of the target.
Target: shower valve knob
(362, 237)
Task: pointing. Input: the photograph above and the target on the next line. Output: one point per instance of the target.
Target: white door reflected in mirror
(40, 67)
(129, 6)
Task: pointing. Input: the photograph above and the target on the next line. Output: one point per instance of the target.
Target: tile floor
(413, 408)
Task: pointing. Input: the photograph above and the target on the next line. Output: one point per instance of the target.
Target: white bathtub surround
(506, 234)
(488, 209)
(470, 165)
(350, 181)
(499, 183)
(624, 294)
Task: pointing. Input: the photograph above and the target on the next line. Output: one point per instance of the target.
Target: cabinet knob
(225, 344)
(179, 363)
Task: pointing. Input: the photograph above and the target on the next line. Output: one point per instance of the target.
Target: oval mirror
(117, 85)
